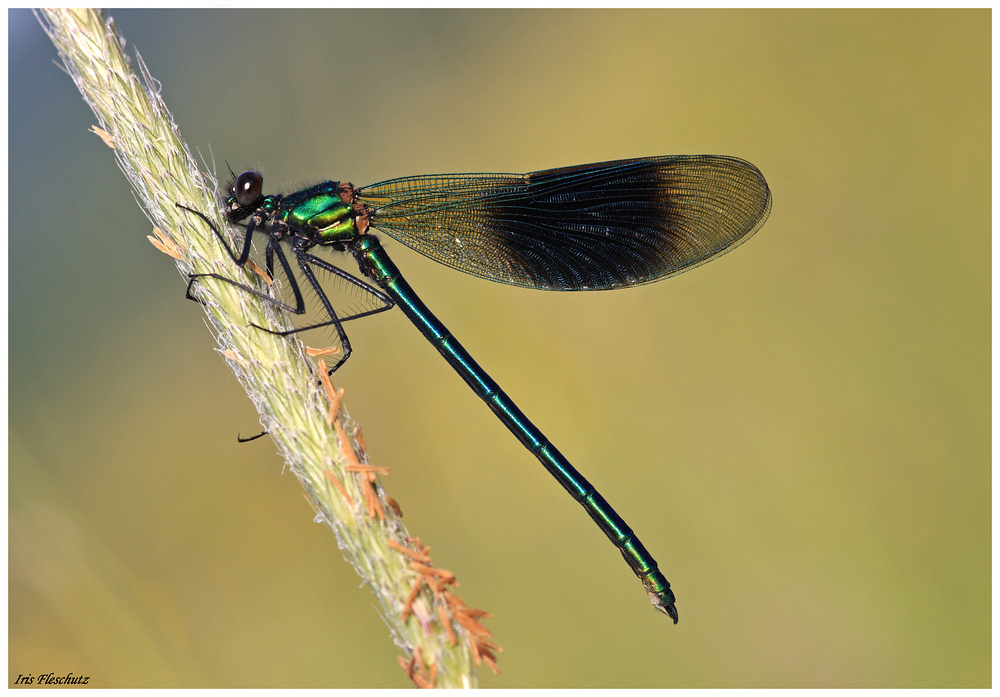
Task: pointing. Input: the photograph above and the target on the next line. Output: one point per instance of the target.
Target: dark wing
(590, 227)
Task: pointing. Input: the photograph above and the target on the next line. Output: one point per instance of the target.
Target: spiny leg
(263, 296)
(300, 305)
(387, 301)
(240, 260)
(345, 343)
(241, 439)
(306, 260)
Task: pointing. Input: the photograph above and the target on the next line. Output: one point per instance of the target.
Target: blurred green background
(799, 431)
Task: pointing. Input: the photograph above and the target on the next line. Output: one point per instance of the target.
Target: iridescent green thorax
(320, 208)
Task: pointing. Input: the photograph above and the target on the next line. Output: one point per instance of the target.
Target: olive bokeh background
(798, 431)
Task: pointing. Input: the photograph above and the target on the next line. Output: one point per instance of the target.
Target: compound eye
(248, 188)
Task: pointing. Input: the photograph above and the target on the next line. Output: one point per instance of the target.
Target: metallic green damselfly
(591, 227)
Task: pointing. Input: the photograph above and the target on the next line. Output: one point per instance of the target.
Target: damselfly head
(246, 194)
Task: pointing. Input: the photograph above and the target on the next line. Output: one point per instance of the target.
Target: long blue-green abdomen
(377, 265)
